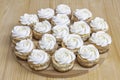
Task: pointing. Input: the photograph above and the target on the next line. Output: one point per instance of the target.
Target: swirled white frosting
(38, 56)
(28, 19)
(61, 19)
(24, 46)
(60, 31)
(83, 14)
(73, 41)
(46, 13)
(42, 27)
(21, 31)
(89, 52)
(64, 56)
(63, 9)
(101, 38)
(80, 27)
(99, 24)
(47, 42)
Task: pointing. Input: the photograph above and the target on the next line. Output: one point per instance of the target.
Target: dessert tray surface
(50, 72)
(76, 39)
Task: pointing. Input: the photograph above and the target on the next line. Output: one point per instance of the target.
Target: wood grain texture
(11, 10)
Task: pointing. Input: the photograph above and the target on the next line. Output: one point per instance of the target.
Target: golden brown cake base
(94, 31)
(102, 50)
(63, 67)
(43, 19)
(22, 56)
(85, 63)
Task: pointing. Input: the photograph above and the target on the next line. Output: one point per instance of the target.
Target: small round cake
(48, 43)
(23, 48)
(46, 14)
(39, 59)
(101, 40)
(99, 24)
(72, 42)
(29, 19)
(63, 59)
(88, 55)
(21, 32)
(82, 14)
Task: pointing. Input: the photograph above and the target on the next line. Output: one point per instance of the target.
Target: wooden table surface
(10, 12)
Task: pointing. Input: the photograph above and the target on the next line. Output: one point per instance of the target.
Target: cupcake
(20, 33)
(63, 9)
(60, 19)
(60, 31)
(101, 40)
(48, 43)
(46, 14)
(24, 48)
(29, 19)
(88, 55)
(82, 14)
(63, 60)
(38, 59)
(98, 24)
(72, 42)
(41, 28)
(81, 28)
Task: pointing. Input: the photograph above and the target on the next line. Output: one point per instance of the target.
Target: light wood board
(10, 12)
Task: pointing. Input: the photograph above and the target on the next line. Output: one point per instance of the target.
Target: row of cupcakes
(62, 17)
(63, 36)
(62, 59)
(73, 42)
